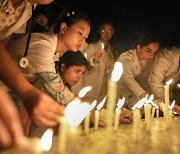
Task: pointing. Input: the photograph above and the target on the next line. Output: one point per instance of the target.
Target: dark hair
(71, 58)
(69, 17)
(146, 39)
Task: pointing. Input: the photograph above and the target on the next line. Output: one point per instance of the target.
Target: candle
(136, 123)
(167, 98)
(96, 121)
(102, 47)
(157, 113)
(85, 55)
(62, 137)
(169, 123)
(118, 112)
(147, 109)
(87, 123)
(87, 118)
(116, 119)
(137, 117)
(112, 94)
(75, 112)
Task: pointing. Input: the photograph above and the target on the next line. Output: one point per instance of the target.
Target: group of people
(41, 91)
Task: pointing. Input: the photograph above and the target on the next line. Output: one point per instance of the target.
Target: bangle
(92, 62)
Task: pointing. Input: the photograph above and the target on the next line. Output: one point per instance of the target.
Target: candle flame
(178, 85)
(162, 104)
(172, 105)
(120, 103)
(100, 105)
(117, 71)
(139, 104)
(169, 82)
(76, 111)
(83, 91)
(153, 104)
(85, 55)
(150, 99)
(46, 140)
(102, 46)
(93, 105)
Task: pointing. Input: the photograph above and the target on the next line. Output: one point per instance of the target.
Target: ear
(63, 67)
(138, 47)
(63, 27)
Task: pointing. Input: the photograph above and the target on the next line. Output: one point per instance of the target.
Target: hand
(42, 108)
(11, 132)
(158, 102)
(97, 57)
(126, 116)
(176, 109)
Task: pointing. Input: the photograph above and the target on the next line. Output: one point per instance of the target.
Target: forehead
(75, 67)
(107, 26)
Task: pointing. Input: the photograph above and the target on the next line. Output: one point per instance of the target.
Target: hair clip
(69, 14)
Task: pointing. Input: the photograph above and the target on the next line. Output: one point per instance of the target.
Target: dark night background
(130, 17)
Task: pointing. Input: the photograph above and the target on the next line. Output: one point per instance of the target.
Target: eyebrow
(149, 48)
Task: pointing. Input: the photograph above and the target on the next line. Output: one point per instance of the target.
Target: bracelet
(92, 62)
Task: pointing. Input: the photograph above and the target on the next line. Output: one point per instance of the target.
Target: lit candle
(118, 112)
(102, 47)
(170, 114)
(137, 117)
(167, 98)
(147, 109)
(157, 113)
(96, 121)
(85, 55)
(178, 85)
(112, 94)
(87, 118)
(75, 112)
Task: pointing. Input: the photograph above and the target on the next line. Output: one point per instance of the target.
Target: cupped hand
(43, 110)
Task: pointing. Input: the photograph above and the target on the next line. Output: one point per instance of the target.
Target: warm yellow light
(169, 82)
(120, 103)
(76, 111)
(140, 103)
(46, 140)
(83, 91)
(100, 105)
(172, 105)
(117, 71)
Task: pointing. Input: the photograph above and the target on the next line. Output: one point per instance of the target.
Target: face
(41, 1)
(147, 52)
(106, 32)
(72, 74)
(74, 36)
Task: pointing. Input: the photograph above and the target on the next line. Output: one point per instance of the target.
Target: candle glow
(46, 140)
(83, 91)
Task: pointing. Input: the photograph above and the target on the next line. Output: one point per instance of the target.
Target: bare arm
(41, 107)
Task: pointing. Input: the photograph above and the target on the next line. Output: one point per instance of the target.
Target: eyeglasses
(107, 31)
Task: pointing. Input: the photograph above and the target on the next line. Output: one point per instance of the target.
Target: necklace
(4, 6)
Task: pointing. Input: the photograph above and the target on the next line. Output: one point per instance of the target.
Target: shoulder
(127, 55)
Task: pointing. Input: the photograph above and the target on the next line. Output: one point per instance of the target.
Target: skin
(146, 53)
(126, 117)
(72, 38)
(72, 74)
(105, 38)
